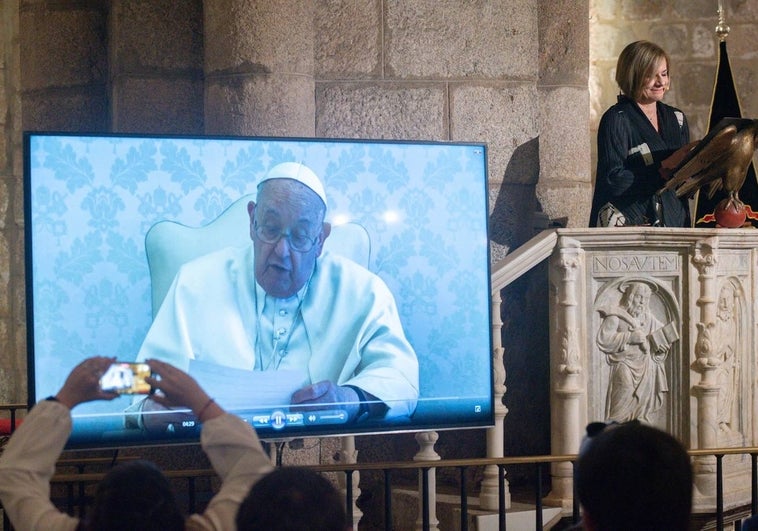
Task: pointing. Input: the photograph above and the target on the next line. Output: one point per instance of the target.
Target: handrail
(448, 463)
(539, 247)
(494, 491)
(13, 408)
(523, 259)
(94, 477)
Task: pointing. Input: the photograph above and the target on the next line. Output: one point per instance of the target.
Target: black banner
(725, 104)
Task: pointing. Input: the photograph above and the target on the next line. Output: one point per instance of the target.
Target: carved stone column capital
(569, 262)
(705, 257)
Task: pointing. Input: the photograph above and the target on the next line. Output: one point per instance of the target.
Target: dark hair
(292, 499)
(134, 495)
(635, 477)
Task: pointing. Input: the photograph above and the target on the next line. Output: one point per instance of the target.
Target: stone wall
(12, 318)
(686, 30)
(528, 77)
(421, 70)
(518, 75)
(155, 66)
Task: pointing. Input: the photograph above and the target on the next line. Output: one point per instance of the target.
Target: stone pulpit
(658, 325)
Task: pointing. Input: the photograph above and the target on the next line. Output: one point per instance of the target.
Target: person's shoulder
(675, 114)
(336, 261)
(670, 108)
(214, 258)
(345, 274)
(616, 113)
(215, 272)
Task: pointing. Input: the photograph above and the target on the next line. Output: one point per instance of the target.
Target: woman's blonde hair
(636, 64)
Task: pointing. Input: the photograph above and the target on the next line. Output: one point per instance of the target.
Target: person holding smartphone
(135, 495)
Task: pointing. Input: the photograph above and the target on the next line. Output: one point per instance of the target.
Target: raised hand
(328, 394)
(176, 388)
(83, 383)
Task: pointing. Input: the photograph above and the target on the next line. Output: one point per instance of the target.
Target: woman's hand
(83, 383)
(673, 160)
(179, 389)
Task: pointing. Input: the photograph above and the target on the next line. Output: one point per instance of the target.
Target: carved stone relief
(635, 344)
(725, 341)
(728, 351)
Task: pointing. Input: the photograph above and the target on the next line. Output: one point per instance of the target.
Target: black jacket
(630, 152)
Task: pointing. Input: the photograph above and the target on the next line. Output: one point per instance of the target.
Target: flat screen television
(91, 199)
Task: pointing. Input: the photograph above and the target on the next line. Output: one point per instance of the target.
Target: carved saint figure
(635, 347)
(724, 341)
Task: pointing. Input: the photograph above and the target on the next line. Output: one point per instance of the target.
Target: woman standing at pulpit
(635, 136)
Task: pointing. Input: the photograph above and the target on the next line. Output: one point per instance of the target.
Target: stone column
(63, 65)
(564, 188)
(156, 66)
(426, 441)
(259, 67)
(489, 495)
(568, 396)
(706, 391)
(348, 454)
(13, 386)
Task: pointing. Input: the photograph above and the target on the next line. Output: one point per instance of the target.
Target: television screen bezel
(438, 423)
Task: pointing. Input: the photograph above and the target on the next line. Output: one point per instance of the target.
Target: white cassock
(343, 326)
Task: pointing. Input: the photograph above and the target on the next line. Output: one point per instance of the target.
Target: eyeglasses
(298, 241)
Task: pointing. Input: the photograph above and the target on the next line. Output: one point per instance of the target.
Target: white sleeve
(238, 458)
(28, 463)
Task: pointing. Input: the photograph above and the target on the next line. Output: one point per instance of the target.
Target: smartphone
(126, 378)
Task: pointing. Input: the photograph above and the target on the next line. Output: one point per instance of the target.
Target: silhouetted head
(293, 499)
(134, 495)
(632, 477)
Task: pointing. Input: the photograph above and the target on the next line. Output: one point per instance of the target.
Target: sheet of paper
(237, 389)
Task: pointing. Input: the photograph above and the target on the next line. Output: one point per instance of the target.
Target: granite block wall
(528, 77)
(686, 30)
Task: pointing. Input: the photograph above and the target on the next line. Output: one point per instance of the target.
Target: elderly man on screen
(282, 305)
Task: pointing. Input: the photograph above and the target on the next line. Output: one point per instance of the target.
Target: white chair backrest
(169, 244)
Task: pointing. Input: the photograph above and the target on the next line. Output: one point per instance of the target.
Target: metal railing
(424, 467)
(12, 410)
(76, 502)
